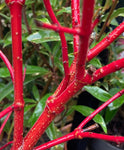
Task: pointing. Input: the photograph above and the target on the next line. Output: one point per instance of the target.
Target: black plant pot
(96, 144)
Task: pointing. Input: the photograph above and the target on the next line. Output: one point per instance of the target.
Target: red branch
(110, 68)
(96, 21)
(62, 36)
(55, 104)
(5, 111)
(16, 16)
(78, 133)
(105, 42)
(1, 148)
(87, 119)
(75, 7)
(68, 87)
(5, 121)
(7, 63)
(87, 12)
(57, 28)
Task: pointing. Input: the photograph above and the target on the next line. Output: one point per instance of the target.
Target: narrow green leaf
(109, 115)
(35, 70)
(28, 107)
(39, 109)
(117, 12)
(86, 111)
(64, 10)
(53, 2)
(96, 63)
(28, 100)
(4, 72)
(118, 102)
(98, 93)
(36, 93)
(54, 133)
(46, 36)
(7, 89)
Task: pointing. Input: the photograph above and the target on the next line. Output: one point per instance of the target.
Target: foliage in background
(43, 62)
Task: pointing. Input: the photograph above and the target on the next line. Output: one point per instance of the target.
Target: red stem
(57, 28)
(57, 141)
(111, 138)
(62, 36)
(75, 7)
(5, 111)
(37, 130)
(87, 12)
(7, 63)
(4, 123)
(1, 148)
(105, 42)
(16, 16)
(110, 68)
(80, 135)
(87, 119)
(96, 21)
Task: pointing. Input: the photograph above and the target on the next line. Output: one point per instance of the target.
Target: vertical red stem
(16, 15)
(75, 6)
(62, 36)
(88, 8)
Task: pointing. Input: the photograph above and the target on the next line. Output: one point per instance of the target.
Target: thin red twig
(87, 119)
(75, 7)
(1, 148)
(62, 36)
(57, 28)
(5, 121)
(7, 110)
(96, 21)
(7, 63)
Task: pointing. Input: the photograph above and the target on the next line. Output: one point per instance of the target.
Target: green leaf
(45, 20)
(86, 111)
(36, 93)
(2, 6)
(109, 115)
(117, 12)
(54, 133)
(64, 10)
(4, 72)
(7, 89)
(28, 107)
(35, 70)
(118, 102)
(28, 2)
(28, 100)
(53, 2)
(98, 93)
(45, 36)
(96, 63)
(4, 16)
(39, 109)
